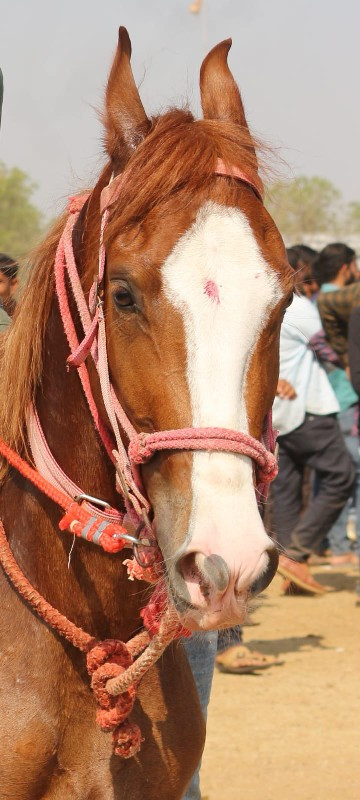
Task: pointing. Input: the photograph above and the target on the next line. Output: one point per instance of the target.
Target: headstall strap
(111, 665)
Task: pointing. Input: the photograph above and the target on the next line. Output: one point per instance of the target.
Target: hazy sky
(296, 61)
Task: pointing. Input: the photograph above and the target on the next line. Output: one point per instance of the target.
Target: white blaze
(220, 248)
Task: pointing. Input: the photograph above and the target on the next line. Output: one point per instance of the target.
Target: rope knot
(127, 740)
(76, 202)
(139, 449)
(107, 660)
(267, 471)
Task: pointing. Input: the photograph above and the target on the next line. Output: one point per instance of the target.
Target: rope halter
(142, 446)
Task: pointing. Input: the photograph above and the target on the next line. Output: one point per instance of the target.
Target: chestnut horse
(196, 283)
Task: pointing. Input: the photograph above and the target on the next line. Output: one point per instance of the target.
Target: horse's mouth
(210, 616)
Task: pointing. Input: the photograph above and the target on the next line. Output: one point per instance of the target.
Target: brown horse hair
(176, 159)
(180, 152)
(21, 347)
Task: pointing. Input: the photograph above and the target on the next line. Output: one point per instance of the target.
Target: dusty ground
(292, 732)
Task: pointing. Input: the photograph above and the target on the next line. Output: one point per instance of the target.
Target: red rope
(106, 660)
(76, 518)
(110, 663)
(79, 638)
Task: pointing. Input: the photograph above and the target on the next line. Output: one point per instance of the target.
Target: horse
(179, 336)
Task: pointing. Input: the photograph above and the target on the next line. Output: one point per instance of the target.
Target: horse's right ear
(220, 96)
(126, 123)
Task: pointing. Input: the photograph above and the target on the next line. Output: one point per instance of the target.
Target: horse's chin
(225, 614)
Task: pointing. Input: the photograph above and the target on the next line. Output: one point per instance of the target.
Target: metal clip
(127, 538)
(150, 542)
(94, 500)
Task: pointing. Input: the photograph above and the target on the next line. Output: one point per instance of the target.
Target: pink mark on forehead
(212, 291)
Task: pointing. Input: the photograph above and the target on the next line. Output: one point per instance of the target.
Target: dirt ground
(292, 732)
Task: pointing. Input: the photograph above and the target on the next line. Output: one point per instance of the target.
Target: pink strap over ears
(112, 192)
(231, 171)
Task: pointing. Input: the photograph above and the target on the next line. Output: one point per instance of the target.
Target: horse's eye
(123, 299)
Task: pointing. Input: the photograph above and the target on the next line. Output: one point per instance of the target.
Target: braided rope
(110, 663)
(70, 331)
(144, 445)
(76, 518)
(76, 636)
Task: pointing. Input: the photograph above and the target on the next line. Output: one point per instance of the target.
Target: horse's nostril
(214, 569)
(210, 572)
(266, 577)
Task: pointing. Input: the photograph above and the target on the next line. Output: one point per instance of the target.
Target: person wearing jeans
(342, 549)
(318, 443)
(201, 649)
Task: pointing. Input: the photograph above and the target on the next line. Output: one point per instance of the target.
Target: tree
(304, 206)
(20, 221)
(352, 219)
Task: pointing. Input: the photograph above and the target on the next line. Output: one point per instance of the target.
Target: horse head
(196, 284)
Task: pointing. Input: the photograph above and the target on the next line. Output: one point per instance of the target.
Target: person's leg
(352, 443)
(201, 650)
(229, 637)
(321, 442)
(234, 657)
(338, 538)
(286, 494)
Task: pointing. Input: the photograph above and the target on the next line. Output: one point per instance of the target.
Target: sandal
(239, 660)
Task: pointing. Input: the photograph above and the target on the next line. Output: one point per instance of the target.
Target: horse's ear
(126, 123)
(220, 96)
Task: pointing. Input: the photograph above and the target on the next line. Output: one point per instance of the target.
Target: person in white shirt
(304, 413)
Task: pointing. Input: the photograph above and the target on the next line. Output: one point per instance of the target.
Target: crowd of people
(9, 282)
(315, 500)
(316, 413)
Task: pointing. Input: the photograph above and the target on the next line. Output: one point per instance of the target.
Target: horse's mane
(175, 160)
(21, 347)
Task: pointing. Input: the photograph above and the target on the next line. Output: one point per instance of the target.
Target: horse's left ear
(126, 123)
(220, 96)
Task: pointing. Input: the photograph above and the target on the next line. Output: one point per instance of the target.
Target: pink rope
(112, 192)
(128, 482)
(52, 472)
(70, 331)
(222, 168)
(144, 445)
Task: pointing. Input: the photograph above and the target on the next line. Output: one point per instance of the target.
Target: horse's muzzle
(208, 594)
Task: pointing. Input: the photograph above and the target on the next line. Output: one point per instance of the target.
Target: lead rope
(110, 663)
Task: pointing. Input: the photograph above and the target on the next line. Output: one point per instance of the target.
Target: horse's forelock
(178, 157)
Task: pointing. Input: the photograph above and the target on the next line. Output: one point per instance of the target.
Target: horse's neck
(93, 590)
